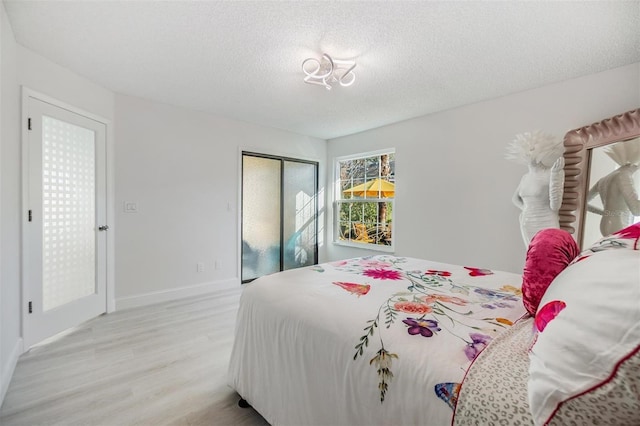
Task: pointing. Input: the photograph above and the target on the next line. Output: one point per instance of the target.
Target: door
(65, 238)
(279, 214)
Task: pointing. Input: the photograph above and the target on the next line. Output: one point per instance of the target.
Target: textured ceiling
(242, 59)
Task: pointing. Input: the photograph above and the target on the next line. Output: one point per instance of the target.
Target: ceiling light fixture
(326, 71)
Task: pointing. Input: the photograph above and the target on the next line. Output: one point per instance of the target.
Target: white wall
(180, 166)
(21, 67)
(42, 75)
(2, 366)
(10, 342)
(454, 187)
(181, 169)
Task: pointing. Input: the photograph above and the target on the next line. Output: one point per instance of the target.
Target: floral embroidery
(503, 305)
(439, 273)
(494, 294)
(448, 392)
(607, 244)
(424, 327)
(383, 360)
(353, 288)
(413, 307)
(382, 274)
(504, 321)
(432, 307)
(477, 344)
(511, 289)
(547, 313)
(431, 298)
(372, 263)
(478, 272)
(496, 300)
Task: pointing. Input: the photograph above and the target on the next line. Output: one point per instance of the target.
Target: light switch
(130, 207)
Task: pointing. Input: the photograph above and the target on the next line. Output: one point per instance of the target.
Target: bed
(387, 340)
(345, 342)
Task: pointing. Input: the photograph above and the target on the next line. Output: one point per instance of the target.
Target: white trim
(336, 199)
(56, 102)
(365, 246)
(111, 219)
(364, 155)
(274, 152)
(239, 218)
(8, 368)
(24, 207)
(110, 171)
(176, 293)
(2, 375)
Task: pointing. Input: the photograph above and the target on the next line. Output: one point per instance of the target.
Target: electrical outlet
(130, 207)
(200, 267)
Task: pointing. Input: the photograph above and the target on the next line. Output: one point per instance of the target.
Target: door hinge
(30, 216)
(30, 307)
(29, 123)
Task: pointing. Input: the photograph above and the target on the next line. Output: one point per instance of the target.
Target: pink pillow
(550, 251)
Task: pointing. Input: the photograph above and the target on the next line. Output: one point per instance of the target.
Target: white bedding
(367, 341)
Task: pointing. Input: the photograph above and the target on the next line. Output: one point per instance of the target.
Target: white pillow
(588, 324)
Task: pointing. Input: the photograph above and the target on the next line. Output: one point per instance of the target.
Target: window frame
(338, 200)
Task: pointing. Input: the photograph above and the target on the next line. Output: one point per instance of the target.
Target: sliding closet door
(260, 216)
(299, 214)
(279, 214)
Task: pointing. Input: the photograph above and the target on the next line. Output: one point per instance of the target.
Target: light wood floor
(164, 364)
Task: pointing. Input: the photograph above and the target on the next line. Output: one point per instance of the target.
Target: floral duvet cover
(374, 340)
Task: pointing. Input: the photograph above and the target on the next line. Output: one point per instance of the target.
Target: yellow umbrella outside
(372, 188)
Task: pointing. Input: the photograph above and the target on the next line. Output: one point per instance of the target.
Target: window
(364, 200)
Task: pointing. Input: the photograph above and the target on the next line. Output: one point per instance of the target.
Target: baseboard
(175, 293)
(8, 368)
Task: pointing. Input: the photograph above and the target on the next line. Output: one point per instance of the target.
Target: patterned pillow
(588, 326)
(550, 251)
(487, 398)
(609, 404)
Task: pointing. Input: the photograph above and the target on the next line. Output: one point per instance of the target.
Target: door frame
(28, 93)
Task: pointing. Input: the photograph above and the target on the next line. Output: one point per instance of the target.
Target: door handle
(103, 228)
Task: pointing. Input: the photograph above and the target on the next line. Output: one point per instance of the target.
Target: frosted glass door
(69, 212)
(260, 216)
(65, 238)
(299, 214)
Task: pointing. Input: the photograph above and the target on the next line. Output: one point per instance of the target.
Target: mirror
(586, 164)
(612, 199)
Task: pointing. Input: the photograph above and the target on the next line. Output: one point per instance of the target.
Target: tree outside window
(364, 203)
